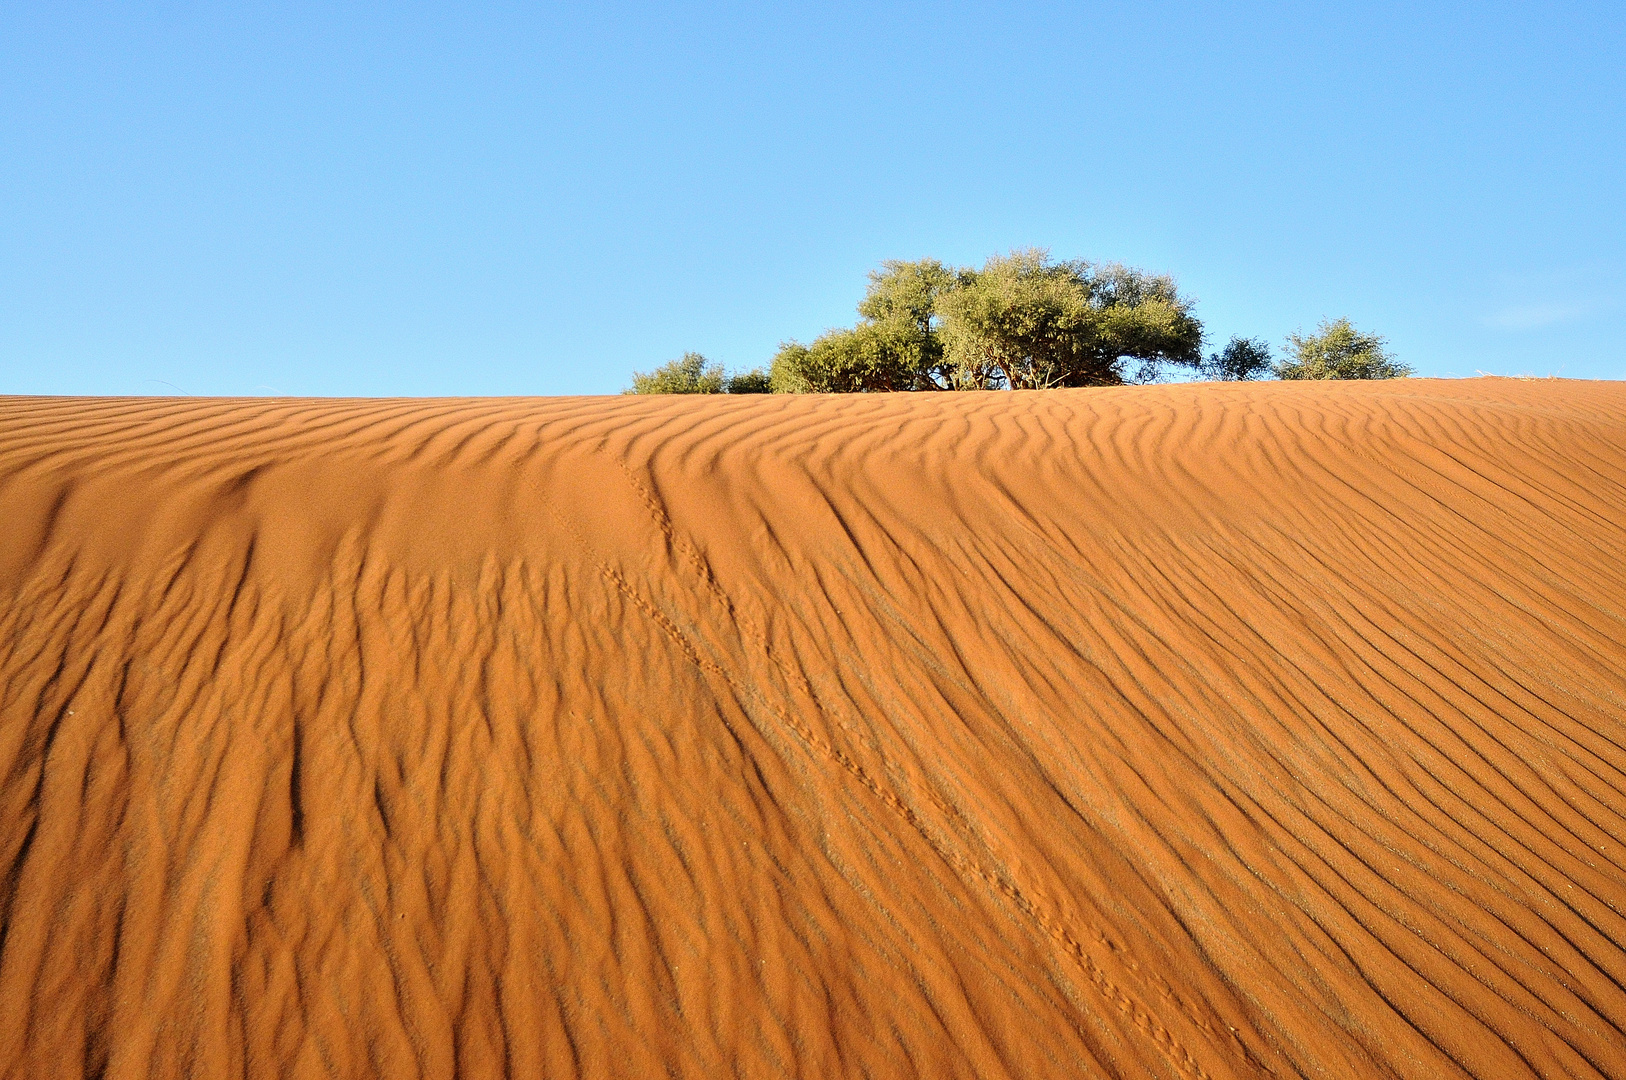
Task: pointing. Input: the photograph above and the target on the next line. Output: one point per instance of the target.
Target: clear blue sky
(380, 199)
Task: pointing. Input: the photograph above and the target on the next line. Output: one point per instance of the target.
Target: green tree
(1338, 351)
(1023, 322)
(1019, 322)
(694, 374)
(1243, 358)
(895, 346)
(903, 299)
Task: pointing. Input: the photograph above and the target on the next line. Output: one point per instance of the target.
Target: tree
(694, 374)
(1019, 322)
(904, 300)
(1339, 351)
(1023, 322)
(895, 346)
(1243, 358)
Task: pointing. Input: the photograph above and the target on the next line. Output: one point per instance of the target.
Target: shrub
(749, 382)
(692, 374)
(870, 356)
(1339, 351)
(1243, 358)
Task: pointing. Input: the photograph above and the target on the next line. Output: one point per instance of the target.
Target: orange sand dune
(1183, 731)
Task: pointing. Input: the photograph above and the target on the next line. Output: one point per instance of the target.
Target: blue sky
(477, 198)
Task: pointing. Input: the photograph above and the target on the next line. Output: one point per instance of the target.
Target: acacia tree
(1019, 322)
(1023, 322)
(1339, 351)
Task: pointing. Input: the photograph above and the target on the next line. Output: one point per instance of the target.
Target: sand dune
(1184, 731)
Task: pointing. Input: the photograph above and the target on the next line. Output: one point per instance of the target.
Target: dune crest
(1185, 731)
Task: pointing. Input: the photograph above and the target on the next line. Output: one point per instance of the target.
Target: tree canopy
(1021, 322)
(1338, 351)
(1024, 322)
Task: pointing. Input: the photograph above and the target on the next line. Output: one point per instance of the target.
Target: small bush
(1243, 358)
(690, 375)
(870, 356)
(1339, 351)
(694, 374)
(749, 382)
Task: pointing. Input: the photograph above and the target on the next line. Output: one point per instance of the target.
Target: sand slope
(1216, 731)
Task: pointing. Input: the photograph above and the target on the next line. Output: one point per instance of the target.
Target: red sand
(1203, 731)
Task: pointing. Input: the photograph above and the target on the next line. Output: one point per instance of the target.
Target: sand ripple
(1220, 731)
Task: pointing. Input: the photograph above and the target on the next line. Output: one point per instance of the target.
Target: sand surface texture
(1183, 731)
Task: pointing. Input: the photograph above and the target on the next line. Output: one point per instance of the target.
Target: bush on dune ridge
(1241, 360)
(1339, 351)
(1022, 322)
(694, 374)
